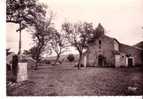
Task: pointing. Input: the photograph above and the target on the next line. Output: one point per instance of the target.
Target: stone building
(107, 51)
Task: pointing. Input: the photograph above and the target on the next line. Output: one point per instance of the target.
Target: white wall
(116, 45)
(117, 60)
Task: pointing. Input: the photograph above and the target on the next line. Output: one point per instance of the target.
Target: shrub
(71, 57)
(76, 65)
(48, 62)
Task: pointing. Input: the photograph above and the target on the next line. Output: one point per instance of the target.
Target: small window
(99, 42)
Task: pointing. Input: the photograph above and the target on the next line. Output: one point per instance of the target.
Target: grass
(66, 80)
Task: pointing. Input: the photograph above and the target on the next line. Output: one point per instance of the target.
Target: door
(130, 62)
(100, 60)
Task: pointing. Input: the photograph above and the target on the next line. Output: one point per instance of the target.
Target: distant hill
(139, 45)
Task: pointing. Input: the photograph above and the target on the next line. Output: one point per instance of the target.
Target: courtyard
(66, 80)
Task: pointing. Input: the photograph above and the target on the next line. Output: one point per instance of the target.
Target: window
(99, 44)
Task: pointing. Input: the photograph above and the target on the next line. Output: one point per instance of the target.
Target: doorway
(100, 60)
(130, 62)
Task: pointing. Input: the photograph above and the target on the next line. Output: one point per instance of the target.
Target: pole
(19, 50)
(19, 11)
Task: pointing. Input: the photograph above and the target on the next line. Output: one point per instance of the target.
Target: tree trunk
(57, 59)
(37, 61)
(38, 56)
(36, 65)
(61, 61)
(79, 61)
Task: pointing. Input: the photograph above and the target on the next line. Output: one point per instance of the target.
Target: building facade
(107, 51)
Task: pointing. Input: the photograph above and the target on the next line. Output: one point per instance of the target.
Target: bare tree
(23, 12)
(42, 34)
(78, 35)
(31, 52)
(59, 45)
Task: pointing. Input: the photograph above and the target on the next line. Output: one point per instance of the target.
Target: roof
(124, 44)
(139, 45)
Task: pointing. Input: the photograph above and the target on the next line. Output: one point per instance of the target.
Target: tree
(26, 52)
(23, 12)
(31, 52)
(59, 45)
(42, 34)
(78, 35)
(70, 57)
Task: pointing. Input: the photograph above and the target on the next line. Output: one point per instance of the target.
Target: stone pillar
(22, 72)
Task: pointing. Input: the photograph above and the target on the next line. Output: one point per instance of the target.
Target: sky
(122, 19)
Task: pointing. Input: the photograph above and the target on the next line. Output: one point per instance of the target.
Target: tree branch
(12, 21)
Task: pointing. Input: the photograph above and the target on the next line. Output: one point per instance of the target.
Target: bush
(48, 62)
(71, 57)
(76, 65)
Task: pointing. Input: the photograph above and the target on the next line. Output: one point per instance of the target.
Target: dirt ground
(66, 80)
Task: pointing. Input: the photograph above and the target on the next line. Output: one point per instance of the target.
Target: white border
(2, 49)
(3, 65)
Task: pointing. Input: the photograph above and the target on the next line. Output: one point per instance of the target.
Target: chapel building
(107, 51)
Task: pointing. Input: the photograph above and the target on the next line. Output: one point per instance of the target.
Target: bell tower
(99, 30)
